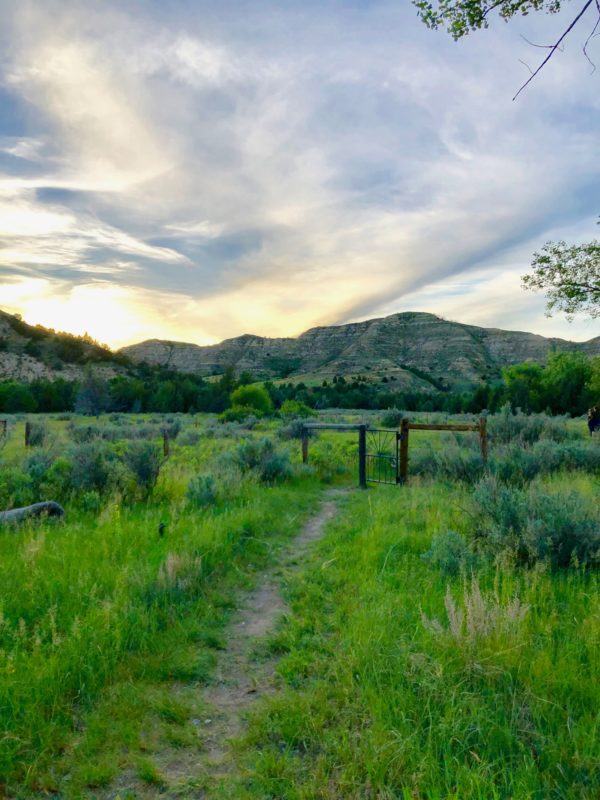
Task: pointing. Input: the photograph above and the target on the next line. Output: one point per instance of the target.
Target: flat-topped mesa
(417, 349)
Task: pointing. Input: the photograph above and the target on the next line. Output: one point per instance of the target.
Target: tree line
(568, 384)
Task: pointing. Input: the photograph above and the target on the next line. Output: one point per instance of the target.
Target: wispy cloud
(206, 173)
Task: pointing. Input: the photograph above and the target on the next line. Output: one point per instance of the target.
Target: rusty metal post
(166, 444)
(27, 433)
(304, 445)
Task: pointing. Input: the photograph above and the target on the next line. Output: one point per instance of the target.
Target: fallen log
(17, 515)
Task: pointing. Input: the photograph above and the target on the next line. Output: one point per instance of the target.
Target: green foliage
(38, 434)
(202, 491)
(236, 413)
(570, 277)
(262, 457)
(450, 553)
(460, 17)
(507, 426)
(252, 397)
(532, 525)
(144, 460)
(92, 467)
(294, 408)
(16, 488)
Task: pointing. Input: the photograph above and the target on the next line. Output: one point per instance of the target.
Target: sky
(194, 170)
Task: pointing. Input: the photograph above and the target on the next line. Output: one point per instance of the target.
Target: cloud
(298, 164)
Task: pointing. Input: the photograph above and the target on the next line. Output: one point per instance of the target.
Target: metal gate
(382, 456)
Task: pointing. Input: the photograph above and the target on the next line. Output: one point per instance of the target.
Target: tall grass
(401, 682)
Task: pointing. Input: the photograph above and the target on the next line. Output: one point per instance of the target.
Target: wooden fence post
(483, 439)
(166, 444)
(304, 445)
(404, 429)
(27, 433)
(362, 456)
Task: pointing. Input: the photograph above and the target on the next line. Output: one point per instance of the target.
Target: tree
(252, 397)
(565, 381)
(460, 17)
(524, 386)
(92, 398)
(570, 276)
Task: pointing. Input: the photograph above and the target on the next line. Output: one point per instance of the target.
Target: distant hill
(28, 352)
(417, 350)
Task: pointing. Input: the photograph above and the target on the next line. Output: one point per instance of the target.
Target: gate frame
(405, 427)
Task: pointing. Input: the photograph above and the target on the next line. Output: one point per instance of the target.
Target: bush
(452, 462)
(16, 488)
(92, 467)
(262, 457)
(202, 491)
(535, 525)
(237, 414)
(506, 427)
(253, 397)
(144, 460)
(450, 553)
(189, 438)
(38, 434)
(85, 433)
(37, 467)
(295, 430)
(172, 428)
(519, 465)
(392, 418)
(294, 408)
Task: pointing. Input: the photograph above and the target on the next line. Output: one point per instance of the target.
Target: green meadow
(439, 640)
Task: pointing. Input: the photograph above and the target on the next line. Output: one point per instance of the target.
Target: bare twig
(590, 37)
(525, 64)
(555, 46)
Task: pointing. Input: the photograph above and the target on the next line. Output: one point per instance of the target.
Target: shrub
(506, 427)
(37, 467)
(202, 491)
(189, 438)
(85, 433)
(172, 428)
(392, 418)
(519, 465)
(535, 525)
(237, 414)
(15, 488)
(253, 397)
(91, 467)
(295, 430)
(262, 457)
(452, 462)
(450, 553)
(294, 408)
(144, 460)
(38, 434)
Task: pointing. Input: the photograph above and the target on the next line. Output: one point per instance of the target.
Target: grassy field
(470, 672)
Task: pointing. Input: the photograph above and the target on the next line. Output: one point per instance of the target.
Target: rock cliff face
(420, 350)
(28, 353)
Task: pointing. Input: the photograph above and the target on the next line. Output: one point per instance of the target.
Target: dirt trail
(240, 681)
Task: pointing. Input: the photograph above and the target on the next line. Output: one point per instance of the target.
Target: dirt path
(240, 678)
(240, 681)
